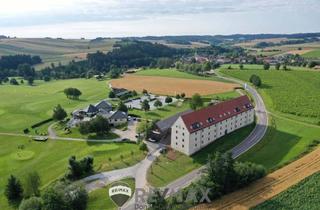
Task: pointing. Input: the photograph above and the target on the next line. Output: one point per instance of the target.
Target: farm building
(193, 131)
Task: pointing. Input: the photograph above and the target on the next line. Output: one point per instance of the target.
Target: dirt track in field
(172, 86)
(269, 186)
(300, 52)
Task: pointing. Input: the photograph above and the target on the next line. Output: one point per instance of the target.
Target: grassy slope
(21, 106)
(53, 50)
(285, 141)
(99, 199)
(312, 54)
(304, 195)
(165, 170)
(50, 159)
(294, 93)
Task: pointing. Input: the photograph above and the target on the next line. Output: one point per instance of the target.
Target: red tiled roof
(211, 115)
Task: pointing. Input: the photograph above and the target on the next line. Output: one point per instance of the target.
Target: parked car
(152, 140)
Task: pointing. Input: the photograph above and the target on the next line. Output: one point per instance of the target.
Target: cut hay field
(22, 106)
(53, 50)
(172, 86)
(50, 159)
(292, 93)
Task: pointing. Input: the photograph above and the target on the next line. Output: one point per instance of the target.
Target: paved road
(138, 171)
(256, 135)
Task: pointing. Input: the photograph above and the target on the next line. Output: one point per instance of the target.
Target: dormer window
(195, 126)
(210, 120)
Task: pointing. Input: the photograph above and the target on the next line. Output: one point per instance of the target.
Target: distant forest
(219, 39)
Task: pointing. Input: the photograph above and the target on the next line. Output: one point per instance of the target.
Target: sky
(121, 18)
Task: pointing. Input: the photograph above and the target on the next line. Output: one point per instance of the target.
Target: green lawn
(173, 109)
(164, 170)
(173, 73)
(304, 195)
(75, 133)
(50, 159)
(312, 54)
(22, 106)
(285, 141)
(292, 93)
(99, 199)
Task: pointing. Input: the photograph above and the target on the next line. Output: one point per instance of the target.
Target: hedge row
(41, 123)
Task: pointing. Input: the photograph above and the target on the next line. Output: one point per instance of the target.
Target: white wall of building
(183, 141)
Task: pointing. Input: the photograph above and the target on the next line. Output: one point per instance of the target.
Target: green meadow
(312, 54)
(23, 105)
(50, 159)
(285, 141)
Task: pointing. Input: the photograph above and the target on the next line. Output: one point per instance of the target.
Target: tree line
(222, 175)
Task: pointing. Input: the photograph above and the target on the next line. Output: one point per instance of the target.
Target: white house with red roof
(193, 131)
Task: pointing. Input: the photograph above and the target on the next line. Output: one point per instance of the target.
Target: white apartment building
(193, 131)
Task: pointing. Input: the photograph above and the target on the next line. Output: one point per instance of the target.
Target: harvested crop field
(172, 86)
(269, 186)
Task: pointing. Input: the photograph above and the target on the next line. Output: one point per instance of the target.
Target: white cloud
(23, 14)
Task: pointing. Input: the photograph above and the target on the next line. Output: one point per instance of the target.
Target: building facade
(193, 131)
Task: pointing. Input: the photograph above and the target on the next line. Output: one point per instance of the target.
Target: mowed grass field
(293, 93)
(172, 82)
(304, 195)
(50, 159)
(22, 106)
(285, 141)
(99, 199)
(53, 50)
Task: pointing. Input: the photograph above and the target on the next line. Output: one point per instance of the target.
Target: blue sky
(93, 18)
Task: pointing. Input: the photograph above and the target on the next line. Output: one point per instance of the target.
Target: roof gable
(119, 115)
(211, 115)
(91, 109)
(104, 105)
